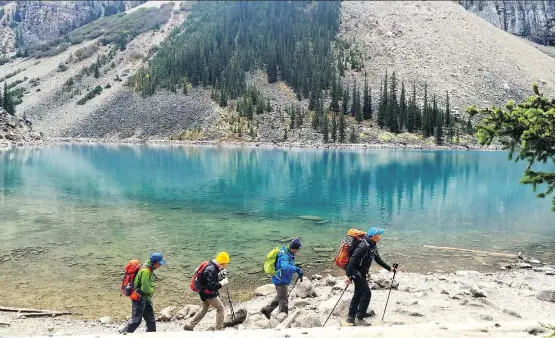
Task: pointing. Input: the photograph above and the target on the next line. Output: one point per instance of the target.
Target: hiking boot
(266, 314)
(187, 328)
(360, 322)
(349, 321)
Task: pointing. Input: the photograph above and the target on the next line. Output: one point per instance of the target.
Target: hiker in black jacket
(358, 267)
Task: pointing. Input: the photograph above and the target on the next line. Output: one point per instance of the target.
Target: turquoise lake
(72, 215)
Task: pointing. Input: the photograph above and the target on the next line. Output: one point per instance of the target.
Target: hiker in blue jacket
(285, 269)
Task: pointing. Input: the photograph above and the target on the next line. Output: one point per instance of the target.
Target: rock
(455, 296)
(265, 290)
(300, 302)
(534, 261)
(506, 86)
(384, 284)
(340, 310)
(304, 289)
(330, 281)
(273, 323)
(182, 313)
(487, 317)
(542, 269)
(465, 273)
(281, 316)
(193, 309)
(307, 319)
(535, 330)
(324, 292)
(524, 265)
(444, 292)
(370, 312)
(317, 277)
(477, 292)
(166, 314)
(239, 317)
(339, 286)
(407, 302)
(310, 218)
(546, 295)
(511, 313)
(321, 249)
(105, 320)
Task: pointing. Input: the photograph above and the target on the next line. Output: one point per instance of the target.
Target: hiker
(141, 297)
(285, 268)
(357, 269)
(213, 277)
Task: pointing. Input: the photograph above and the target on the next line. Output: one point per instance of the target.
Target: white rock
(330, 281)
(105, 320)
(317, 277)
(524, 265)
(546, 295)
(265, 290)
(300, 302)
(534, 261)
(304, 289)
(281, 316)
(166, 314)
(324, 292)
(477, 292)
(487, 317)
(340, 310)
(307, 319)
(506, 86)
(182, 313)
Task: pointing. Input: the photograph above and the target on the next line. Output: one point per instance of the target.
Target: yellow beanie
(223, 258)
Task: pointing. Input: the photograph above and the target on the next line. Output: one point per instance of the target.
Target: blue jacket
(285, 267)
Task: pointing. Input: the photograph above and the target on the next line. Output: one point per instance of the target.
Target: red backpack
(130, 271)
(346, 247)
(196, 284)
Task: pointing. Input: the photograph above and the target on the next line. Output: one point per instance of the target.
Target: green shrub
(96, 91)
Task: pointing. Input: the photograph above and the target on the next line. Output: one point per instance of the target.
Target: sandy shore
(509, 295)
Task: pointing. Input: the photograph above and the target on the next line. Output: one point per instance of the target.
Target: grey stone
(307, 319)
(487, 317)
(477, 292)
(265, 290)
(511, 313)
(281, 316)
(166, 314)
(524, 265)
(105, 320)
(546, 295)
(304, 289)
(330, 281)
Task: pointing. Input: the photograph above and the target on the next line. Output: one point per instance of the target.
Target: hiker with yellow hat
(213, 277)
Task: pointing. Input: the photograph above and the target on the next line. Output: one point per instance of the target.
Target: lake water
(72, 215)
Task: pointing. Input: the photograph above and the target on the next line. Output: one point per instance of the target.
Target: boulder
(307, 319)
(487, 317)
(524, 265)
(340, 310)
(324, 292)
(265, 290)
(300, 302)
(273, 323)
(330, 281)
(166, 314)
(511, 313)
(546, 295)
(339, 286)
(304, 289)
(316, 277)
(193, 309)
(384, 284)
(239, 317)
(105, 320)
(534, 261)
(182, 313)
(477, 292)
(281, 316)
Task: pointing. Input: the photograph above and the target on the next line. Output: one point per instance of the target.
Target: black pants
(141, 309)
(361, 298)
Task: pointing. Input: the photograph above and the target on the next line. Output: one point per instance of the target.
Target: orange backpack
(131, 269)
(196, 282)
(346, 247)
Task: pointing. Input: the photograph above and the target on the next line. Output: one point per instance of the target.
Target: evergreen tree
(271, 67)
(438, 132)
(325, 127)
(9, 104)
(448, 118)
(345, 101)
(353, 109)
(184, 87)
(425, 116)
(358, 110)
(392, 109)
(382, 111)
(403, 110)
(260, 107)
(352, 136)
(411, 113)
(334, 126)
(335, 96)
(298, 115)
(268, 107)
(367, 101)
(223, 99)
(342, 128)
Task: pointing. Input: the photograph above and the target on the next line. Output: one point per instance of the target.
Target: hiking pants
(281, 300)
(141, 309)
(361, 298)
(215, 303)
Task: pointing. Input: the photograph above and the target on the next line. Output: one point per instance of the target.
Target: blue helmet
(156, 257)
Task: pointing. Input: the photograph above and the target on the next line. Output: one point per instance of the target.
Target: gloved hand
(300, 275)
(222, 274)
(348, 280)
(224, 282)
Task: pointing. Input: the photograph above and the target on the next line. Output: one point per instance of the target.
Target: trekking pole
(335, 306)
(391, 283)
(231, 306)
(293, 287)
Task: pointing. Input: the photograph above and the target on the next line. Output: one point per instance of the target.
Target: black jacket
(362, 256)
(210, 284)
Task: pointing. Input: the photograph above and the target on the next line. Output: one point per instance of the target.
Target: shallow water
(72, 215)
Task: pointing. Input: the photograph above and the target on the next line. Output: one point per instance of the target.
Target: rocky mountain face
(14, 130)
(533, 20)
(28, 23)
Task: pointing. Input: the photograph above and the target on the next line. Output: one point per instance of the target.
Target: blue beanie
(295, 244)
(375, 231)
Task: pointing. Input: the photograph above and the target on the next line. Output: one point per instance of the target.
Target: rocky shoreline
(441, 298)
(267, 145)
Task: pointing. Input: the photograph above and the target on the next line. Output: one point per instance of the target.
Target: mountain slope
(435, 43)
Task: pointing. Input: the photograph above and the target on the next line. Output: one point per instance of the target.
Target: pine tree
(268, 107)
(345, 101)
(335, 96)
(410, 125)
(438, 133)
(425, 116)
(403, 110)
(449, 122)
(184, 87)
(417, 118)
(260, 107)
(392, 110)
(342, 128)
(8, 100)
(223, 100)
(352, 136)
(299, 114)
(382, 111)
(334, 127)
(325, 127)
(358, 110)
(367, 101)
(353, 109)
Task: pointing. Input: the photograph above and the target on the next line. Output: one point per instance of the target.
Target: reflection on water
(83, 210)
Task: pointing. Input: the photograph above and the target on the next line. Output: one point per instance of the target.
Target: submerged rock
(310, 218)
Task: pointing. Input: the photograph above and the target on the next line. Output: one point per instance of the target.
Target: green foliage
(221, 40)
(15, 83)
(96, 91)
(352, 135)
(8, 100)
(526, 131)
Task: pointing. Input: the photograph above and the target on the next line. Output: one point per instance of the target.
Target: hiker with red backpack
(284, 269)
(208, 278)
(362, 252)
(138, 284)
